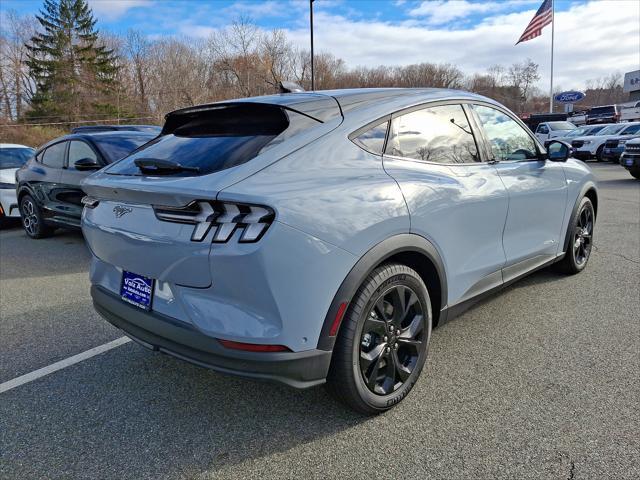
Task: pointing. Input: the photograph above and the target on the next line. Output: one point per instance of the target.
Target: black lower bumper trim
(581, 155)
(162, 333)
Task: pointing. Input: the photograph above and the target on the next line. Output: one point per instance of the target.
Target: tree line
(57, 67)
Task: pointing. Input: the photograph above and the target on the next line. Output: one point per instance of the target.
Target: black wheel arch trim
(405, 242)
(586, 188)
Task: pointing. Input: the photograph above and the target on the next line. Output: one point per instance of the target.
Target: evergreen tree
(73, 73)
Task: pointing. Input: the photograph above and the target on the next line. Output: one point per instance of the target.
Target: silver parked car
(319, 237)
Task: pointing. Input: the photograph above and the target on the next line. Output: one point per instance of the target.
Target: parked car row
(630, 157)
(593, 145)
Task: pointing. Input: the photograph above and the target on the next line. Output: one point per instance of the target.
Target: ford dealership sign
(569, 97)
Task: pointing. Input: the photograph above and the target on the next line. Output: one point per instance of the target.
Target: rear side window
(80, 150)
(54, 155)
(372, 140)
(436, 134)
(219, 138)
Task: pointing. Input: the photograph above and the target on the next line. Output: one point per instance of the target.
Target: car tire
(32, 219)
(580, 234)
(599, 153)
(383, 341)
(635, 173)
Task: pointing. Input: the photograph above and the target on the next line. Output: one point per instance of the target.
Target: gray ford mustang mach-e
(314, 237)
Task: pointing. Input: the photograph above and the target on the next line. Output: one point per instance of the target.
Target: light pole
(313, 87)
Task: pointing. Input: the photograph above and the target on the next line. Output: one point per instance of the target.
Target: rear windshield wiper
(162, 167)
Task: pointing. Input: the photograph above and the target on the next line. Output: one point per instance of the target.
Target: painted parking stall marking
(67, 362)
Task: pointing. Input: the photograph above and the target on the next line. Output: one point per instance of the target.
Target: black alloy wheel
(583, 235)
(382, 343)
(32, 220)
(392, 339)
(580, 238)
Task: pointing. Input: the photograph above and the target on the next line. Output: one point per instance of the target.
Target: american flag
(542, 18)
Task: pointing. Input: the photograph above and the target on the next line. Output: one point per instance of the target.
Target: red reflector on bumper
(253, 347)
(336, 323)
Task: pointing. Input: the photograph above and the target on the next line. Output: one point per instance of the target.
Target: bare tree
(16, 85)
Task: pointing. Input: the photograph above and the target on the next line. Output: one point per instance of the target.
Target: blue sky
(468, 33)
(161, 17)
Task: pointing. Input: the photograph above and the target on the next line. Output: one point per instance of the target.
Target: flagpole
(313, 85)
(553, 26)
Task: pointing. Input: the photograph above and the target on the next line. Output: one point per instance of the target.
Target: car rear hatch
(151, 212)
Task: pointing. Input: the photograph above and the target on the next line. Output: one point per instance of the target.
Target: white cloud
(115, 9)
(443, 11)
(255, 10)
(585, 46)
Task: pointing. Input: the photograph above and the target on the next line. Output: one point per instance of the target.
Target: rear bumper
(162, 333)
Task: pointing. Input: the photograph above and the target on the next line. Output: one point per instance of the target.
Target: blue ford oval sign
(569, 97)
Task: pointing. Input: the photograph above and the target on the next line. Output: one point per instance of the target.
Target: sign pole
(553, 26)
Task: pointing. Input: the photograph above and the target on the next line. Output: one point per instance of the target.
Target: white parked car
(12, 157)
(630, 113)
(548, 130)
(585, 148)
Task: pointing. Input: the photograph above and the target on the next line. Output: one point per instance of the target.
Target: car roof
(357, 103)
(13, 145)
(94, 135)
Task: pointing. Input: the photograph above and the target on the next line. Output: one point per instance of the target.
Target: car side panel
(43, 183)
(461, 209)
(537, 200)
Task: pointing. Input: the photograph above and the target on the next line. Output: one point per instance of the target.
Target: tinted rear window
(119, 146)
(598, 110)
(14, 157)
(219, 138)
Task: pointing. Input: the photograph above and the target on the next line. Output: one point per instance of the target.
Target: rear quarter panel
(332, 190)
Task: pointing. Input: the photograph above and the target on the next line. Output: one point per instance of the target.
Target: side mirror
(87, 164)
(558, 151)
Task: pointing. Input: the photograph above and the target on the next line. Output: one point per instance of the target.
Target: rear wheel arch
(593, 196)
(412, 250)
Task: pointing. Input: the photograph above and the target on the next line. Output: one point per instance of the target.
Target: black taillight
(225, 217)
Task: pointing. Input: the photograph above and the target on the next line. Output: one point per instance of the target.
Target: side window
(509, 141)
(79, 150)
(633, 129)
(54, 155)
(435, 134)
(543, 129)
(372, 140)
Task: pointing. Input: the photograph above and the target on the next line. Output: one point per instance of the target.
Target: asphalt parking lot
(540, 381)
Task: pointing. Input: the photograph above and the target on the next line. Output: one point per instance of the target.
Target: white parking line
(54, 367)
